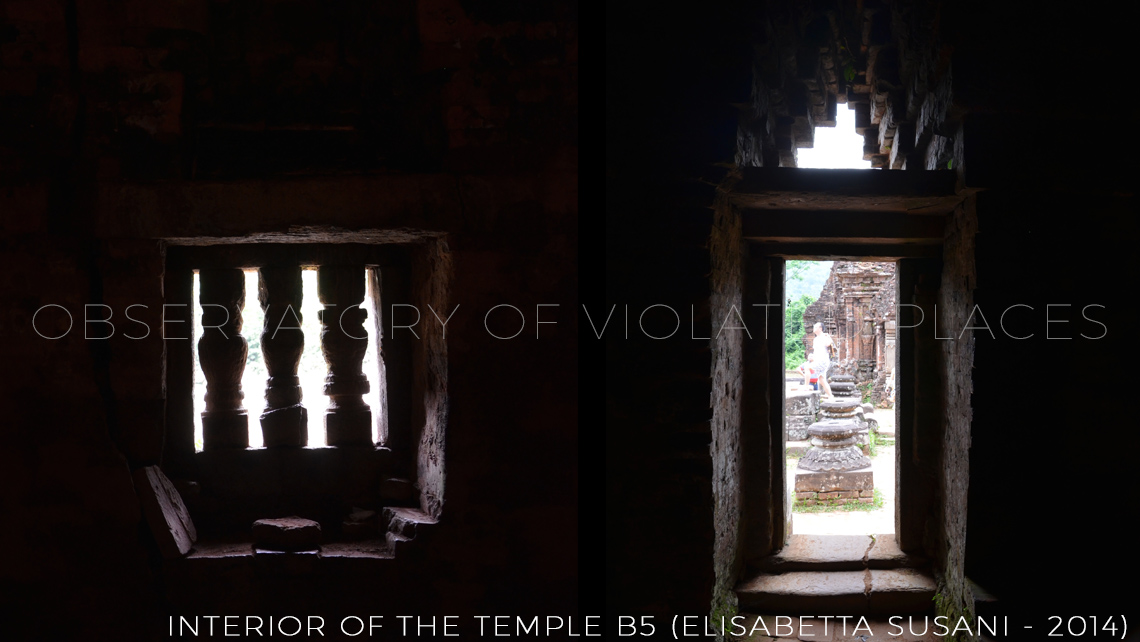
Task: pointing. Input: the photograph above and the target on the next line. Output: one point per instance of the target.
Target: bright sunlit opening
(311, 371)
(836, 147)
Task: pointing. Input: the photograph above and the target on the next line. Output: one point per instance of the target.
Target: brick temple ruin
(857, 308)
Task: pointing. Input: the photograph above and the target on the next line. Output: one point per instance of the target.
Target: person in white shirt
(820, 358)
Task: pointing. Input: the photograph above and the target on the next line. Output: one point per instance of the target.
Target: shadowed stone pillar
(285, 421)
(222, 352)
(348, 421)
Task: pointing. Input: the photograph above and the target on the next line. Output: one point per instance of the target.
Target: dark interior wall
(1054, 224)
(1039, 222)
(450, 126)
(1025, 433)
(671, 76)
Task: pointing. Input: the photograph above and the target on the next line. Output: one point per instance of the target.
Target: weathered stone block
(796, 426)
(827, 481)
(165, 513)
(286, 534)
(802, 403)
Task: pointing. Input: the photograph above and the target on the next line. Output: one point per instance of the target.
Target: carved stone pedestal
(839, 408)
(833, 447)
(843, 385)
(835, 469)
(848, 409)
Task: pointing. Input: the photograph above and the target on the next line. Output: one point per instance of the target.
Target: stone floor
(827, 576)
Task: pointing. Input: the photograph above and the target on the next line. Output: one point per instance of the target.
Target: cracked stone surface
(165, 512)
(286, 534)
(889, 592)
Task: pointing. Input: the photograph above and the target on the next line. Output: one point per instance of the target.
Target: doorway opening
(839, 419)
(843, 215)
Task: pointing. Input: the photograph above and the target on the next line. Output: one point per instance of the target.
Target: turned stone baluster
(285, 421)
(348, 421)
(222, 352)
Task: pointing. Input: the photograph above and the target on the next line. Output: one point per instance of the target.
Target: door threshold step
(866, 592)
(840, 553)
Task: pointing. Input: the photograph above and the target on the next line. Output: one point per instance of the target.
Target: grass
(831, 506)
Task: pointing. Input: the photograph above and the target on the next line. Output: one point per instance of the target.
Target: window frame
(228, 488)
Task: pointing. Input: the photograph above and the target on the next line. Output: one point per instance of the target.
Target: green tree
(794, 331)
(795, 269)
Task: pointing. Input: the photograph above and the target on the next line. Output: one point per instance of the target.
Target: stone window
(271, 333)
(365, 463)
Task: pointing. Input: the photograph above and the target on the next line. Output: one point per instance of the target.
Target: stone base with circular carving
(842, 389)
(839, 408)
(833, 447)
